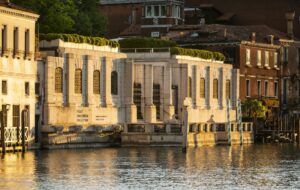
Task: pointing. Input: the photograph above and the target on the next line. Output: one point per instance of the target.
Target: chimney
(290, 16)
(253, 37)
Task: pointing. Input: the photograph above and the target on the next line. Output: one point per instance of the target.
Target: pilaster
(150, 109)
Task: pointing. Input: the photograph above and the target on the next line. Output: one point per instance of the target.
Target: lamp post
(3, 122)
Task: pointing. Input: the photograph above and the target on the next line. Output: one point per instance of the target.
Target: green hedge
(204, 54)
(145, 43)
(75, 38)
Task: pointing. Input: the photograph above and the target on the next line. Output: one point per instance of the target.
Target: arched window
(58, 80)
(78, 81)
(96, 82)
(215, 89)
(114, 83)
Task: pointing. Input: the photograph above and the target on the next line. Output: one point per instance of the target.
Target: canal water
(219, 167)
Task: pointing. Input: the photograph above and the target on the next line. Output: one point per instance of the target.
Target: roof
(8, 4)
(222, 33)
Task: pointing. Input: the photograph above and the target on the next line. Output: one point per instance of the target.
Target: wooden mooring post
(298, 135)
(24, 119)
(2, 132)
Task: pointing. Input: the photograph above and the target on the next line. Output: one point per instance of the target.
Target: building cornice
(265, 45)
(18, 13)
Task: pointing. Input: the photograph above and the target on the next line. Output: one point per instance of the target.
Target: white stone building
(157, 84)
(18, 68)
(88, 88)
(76, 85)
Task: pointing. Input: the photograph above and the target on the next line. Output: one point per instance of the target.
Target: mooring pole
(24, 119)
(185, 131)
(2, 132)
(298, 136)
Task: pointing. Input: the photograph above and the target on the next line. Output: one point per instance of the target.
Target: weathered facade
(161, 88)
(88, 89)
(77, 85)
(18, 70)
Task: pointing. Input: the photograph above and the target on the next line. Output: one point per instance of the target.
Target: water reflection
(259, 166)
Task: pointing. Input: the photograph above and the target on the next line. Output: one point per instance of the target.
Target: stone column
(207, 87)
(183, 88)
(69, 75)
(66, 79)
(90, 76)
(194, 86)
(150, 109)
(103, 82)
(167, 93)
(109, 65)
(85, 80)
(220, 88)
(131, 111)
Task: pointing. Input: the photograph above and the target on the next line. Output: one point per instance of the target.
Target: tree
(254, 108)
(67, 16)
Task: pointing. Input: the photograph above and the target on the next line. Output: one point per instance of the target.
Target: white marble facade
(146, 82)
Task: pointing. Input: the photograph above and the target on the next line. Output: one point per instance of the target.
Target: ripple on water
(221, 167)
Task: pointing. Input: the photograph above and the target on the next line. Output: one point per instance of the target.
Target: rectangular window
(258, 58)
(275, 59)
(267, 60)
(228, 94)
(156, 10)
(148, 11)
(37, 88)
(202, 88)
(266, 88)
(248, 54)
(16, 40)
(176, 11)
(285, 90)
(247, 87)
(258, 88)
(27, 121)
(215, 89)
(285, 54)
(4, 87)
(27, 44)
(163, 10)
(4, 38)
(16, 116)
(276, 89)
(27, 89)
